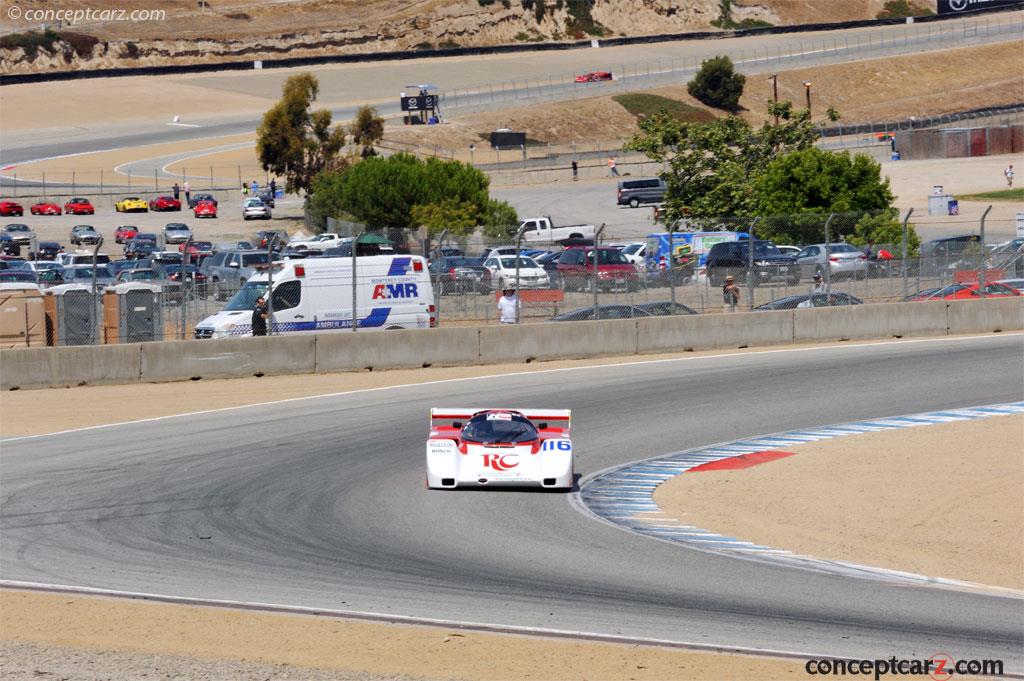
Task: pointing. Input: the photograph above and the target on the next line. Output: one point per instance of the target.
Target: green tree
(797, 190)
(294, 143)
(458, 217)
(402, 191)
(711, 167)
(717, 84)
(499, 220)
(367, 129)
(885, 228)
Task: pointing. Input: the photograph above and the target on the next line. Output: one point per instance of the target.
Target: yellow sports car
(131, 204)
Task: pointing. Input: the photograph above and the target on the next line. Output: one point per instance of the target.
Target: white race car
(504, 447)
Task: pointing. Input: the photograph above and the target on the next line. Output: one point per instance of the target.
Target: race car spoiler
(562, 416)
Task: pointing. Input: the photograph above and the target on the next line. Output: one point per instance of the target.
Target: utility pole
(807, 92)
(774, 78)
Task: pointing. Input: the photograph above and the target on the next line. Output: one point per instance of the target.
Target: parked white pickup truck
(320, 241)
(541, 230)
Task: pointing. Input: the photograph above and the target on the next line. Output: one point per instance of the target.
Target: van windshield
(246, 297)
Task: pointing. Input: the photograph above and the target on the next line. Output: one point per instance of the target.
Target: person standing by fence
(730, 294)
(1008, 174)
(575, 171)
(612, 170)
(259, 317)
(177, 191)
(508, 306)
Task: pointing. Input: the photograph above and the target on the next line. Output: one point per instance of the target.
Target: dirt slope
(187, 32)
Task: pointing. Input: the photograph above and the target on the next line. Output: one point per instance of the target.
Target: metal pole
(828, 263)
(74, 185)
(597, 242)
(519, 298)
(44, 184)
(184, 289)
(984, 257)
(270, 283)
(903, 261)
(750, 264)
(92, 313)
(671, 274)
(355, 317)
(439, 256)
(101, 183)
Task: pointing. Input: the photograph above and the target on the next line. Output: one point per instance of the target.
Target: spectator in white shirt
(508, 306)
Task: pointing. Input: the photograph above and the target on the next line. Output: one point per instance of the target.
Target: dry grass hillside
(191, 31)
(865, 91)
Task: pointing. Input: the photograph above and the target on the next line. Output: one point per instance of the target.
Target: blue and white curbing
(624, 495)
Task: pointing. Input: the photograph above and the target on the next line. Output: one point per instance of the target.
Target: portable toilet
(22, 321)
(71, 315)
(132, 313)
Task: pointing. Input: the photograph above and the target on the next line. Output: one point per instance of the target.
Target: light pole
(355, 317)
(807, 92)
(92, 315)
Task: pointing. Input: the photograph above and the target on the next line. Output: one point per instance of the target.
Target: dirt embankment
(189, 33)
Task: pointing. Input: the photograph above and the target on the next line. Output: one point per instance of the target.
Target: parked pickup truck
(320, 241)
(541, 230)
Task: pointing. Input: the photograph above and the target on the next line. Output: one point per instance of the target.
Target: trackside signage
(957, 6)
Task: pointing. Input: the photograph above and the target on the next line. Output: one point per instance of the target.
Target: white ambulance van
(315, 294)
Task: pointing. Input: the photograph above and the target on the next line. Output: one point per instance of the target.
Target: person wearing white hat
(730, 294)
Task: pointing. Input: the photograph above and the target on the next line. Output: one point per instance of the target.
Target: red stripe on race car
(742, 461)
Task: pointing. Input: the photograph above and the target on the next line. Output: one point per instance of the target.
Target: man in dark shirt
(259, 317)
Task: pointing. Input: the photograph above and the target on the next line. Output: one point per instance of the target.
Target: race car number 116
(556, 444)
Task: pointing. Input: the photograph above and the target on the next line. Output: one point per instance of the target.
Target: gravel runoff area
(942, 500)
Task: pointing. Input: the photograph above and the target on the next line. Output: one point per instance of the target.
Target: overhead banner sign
(957, 6)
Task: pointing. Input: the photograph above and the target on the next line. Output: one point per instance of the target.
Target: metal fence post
(184, 289)
(44, 184)
(519, 298)
(984, 258)
(74, 185)
(828, 252)
(439, 256)
(355, 247)
(903, 260)
(750, 263)
(270, 283)
(95, 299)
(597, 243)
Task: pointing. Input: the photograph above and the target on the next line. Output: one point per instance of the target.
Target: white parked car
(503, 273)
(254, 208)
(499, 448)
(634, 253)
(320, 242)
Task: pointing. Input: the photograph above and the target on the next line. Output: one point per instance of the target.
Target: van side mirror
(457, 424)
(542, 426)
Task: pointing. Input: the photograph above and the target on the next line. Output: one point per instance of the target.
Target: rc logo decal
(501, 462)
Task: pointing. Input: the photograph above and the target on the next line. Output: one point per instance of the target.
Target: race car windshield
(499, 428)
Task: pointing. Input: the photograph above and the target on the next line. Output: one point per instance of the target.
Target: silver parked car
(254, 208)
(176, 233)
(845, 261)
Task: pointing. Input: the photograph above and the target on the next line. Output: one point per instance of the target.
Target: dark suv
(634, 192)
(732, 257)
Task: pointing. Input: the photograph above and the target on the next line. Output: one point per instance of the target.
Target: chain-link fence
(701, 267)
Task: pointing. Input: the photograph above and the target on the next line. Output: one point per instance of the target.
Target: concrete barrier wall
(69, 366)
(869, 321)
(183, 360)
(556, 340)
(178, 360)
(397, 349)
(983, 316)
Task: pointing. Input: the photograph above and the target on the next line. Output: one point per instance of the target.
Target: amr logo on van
(385, 291)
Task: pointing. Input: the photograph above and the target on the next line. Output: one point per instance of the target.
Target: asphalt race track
(320, 503)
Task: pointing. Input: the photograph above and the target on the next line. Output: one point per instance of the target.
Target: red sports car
(45, 208)
(205, 209)
(125, 233)
(11, 208)
(165, 203)
(968, 292)
(197, 249)
(79, 206)
(594, 76)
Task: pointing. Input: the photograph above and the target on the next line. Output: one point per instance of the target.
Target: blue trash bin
(895, 156)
